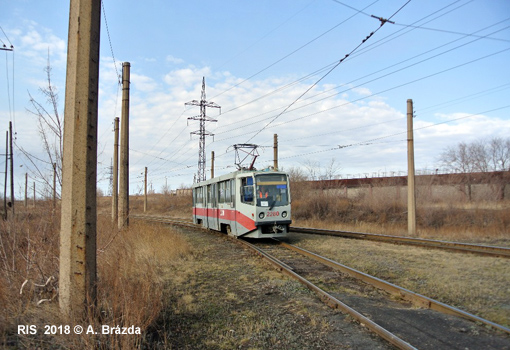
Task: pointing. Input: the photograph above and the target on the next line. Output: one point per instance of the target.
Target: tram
(245, 203)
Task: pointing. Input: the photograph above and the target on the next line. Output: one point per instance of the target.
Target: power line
(394, 87)
(371, 141)
(360, 52)
(119, 78)
(266, 35)
(291, 53)
(469, 97)
(281, 88)
(383, 21)
(454, 32)
(5, 47)
(398, 86)
(393, 36)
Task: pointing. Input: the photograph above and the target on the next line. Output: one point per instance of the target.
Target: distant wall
(445, 187)
(429, 193)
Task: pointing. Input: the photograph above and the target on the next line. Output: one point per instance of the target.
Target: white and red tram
(245, 203)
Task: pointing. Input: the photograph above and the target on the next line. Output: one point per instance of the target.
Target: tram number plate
(273, 213)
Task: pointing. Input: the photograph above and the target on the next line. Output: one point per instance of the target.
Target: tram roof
(235, 174)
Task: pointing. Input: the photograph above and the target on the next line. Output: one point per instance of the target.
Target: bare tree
(456, 158)
(499, 151)
(331, 170)
(296, 174)
(50, 126)
(312, 168)
(477, 156)
(316, 172)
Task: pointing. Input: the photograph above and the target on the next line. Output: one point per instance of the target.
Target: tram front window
(272, 190)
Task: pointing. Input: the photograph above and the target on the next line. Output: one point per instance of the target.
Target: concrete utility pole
(212, 164)
(202, 132)
(124, 150)
(77, 282)
(34, 194)
(411, 198)
(115, 170)
(12, 168)
(275, 152)
(145, 192)
(6, 163)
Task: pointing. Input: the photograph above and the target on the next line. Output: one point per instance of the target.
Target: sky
(275, 67)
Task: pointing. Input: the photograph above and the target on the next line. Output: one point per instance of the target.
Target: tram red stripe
(226, 214)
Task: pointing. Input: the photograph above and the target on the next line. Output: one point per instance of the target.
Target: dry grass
(175, 206)
(130, 287)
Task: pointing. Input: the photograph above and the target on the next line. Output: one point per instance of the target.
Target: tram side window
(198, 193)
(228, 191)
(222, 191)
(212, 195)
(247, 189)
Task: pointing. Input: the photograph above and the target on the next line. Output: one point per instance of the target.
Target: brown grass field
(133, 263)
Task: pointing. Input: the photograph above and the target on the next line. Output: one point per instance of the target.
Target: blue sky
(258, 58)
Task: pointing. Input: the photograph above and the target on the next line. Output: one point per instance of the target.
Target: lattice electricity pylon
(202, 118)
(252, 152)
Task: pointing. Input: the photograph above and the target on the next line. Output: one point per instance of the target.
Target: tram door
(245, 205)
(211, 207)
(207, 205)
(215, 220)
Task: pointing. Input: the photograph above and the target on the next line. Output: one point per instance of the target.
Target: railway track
(427, 243)
(403, 318)
(415, 321)
(502, 252)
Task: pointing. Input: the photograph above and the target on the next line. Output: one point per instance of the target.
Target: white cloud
(143, 83)
(37, 42)
(186, 77)
(174, 60)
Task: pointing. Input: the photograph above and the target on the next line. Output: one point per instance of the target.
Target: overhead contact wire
(383, 21)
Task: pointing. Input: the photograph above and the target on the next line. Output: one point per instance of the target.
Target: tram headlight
(284, 214)
(261, 215)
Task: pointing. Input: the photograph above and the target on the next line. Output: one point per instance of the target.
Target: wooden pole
(145, 192)
(212, 164)
(115, 185)
(77, 276)
(6, 163)
(411, 198)
(124, 150)
(12, 168)
(275, 152)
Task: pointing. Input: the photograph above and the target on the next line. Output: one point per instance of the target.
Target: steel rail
(415, 298)
(332, 302)
(428, 243)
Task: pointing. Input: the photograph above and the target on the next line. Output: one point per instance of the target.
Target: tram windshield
(272, 190)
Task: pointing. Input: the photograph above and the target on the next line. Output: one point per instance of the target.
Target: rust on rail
(502, 252)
